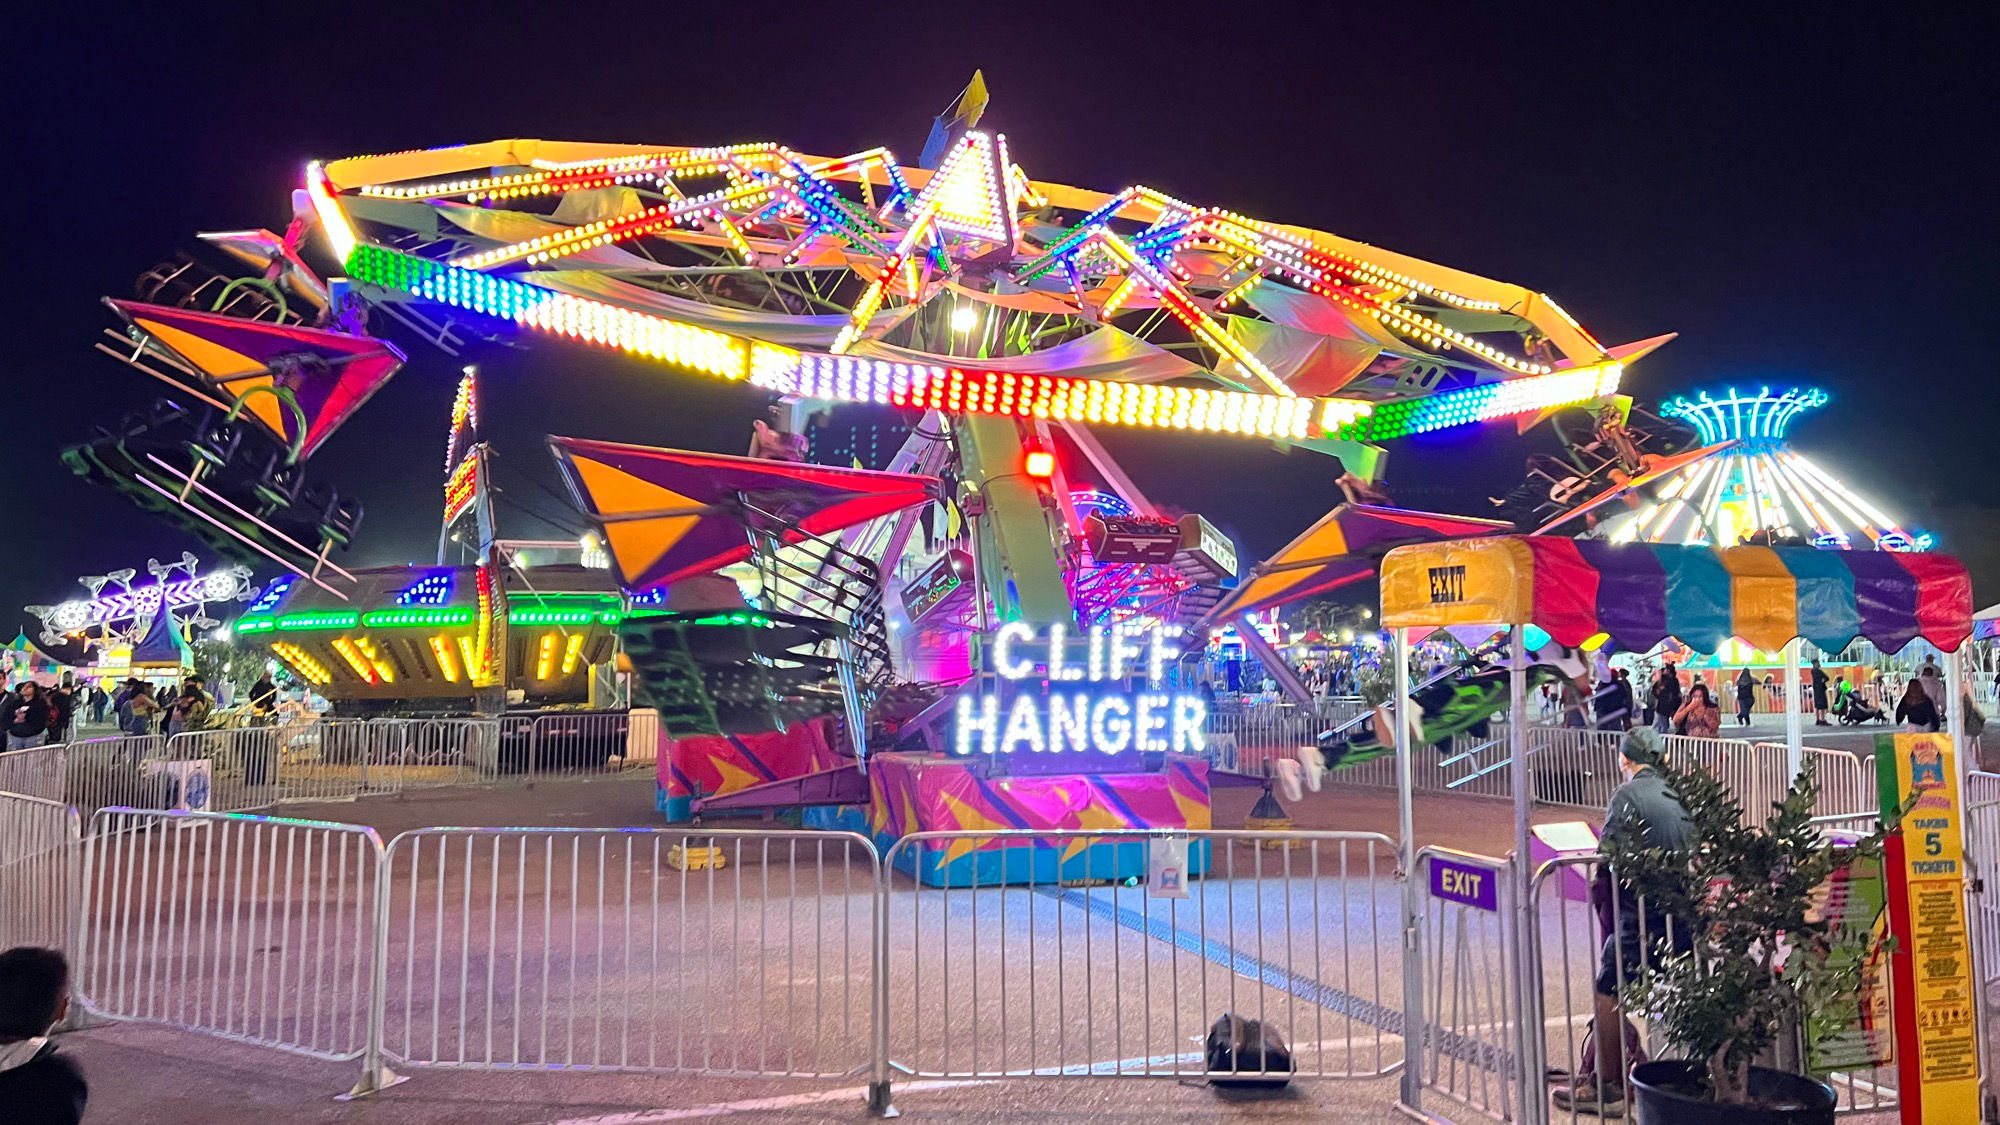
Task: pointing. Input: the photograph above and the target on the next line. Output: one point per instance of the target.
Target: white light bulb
(964, 318)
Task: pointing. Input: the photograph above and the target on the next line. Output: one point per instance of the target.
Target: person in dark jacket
(37, 1086)
(1916, 711)
(1646, 810)
(1746, 696)
(1820, 683)
(25, 717)
(1666, 697)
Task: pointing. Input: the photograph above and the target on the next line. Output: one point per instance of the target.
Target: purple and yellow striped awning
(1641, 594)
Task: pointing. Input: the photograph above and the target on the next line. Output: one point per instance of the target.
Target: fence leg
(879, 1103)
(375, 1072)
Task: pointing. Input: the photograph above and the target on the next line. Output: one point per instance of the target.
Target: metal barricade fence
(1467, 765)
(1574, 767)
(1472, 1008)
(1243, 737)
(245, 927)
(1758, 775)
(1982, 840)
(242, 768)
(1846, 783)
(39, 842)
(1038, 954)
(410, 754)
(35, 771)
(746, 953)
(125, 770)
(1571, 933)
(592, 742)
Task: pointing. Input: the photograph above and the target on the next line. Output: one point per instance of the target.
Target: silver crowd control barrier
(39, 871)
(246, 927)
(1572, 934)
(742, 953)
(1089, 971)
(1471, 1051)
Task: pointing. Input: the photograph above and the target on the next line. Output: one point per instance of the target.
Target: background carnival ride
(1000, 318)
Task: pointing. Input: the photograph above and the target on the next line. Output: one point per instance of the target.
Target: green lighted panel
(407, 617)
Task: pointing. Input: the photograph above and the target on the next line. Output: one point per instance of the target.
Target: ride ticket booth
(1639, 595)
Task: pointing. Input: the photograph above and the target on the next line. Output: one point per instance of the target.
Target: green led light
(757, 619)
(255, 625)
(416, 616)
(296, 621)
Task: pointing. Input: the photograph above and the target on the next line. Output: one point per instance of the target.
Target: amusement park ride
(999, 578)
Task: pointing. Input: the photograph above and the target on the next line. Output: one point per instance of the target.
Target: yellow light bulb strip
(447, 660)
(545, 661)
(301, 662)
(572, 653)
(352, 654)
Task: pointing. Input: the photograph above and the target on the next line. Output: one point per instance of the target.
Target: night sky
(1802, 200)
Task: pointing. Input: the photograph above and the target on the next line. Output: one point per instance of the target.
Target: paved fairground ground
(1333, 1001)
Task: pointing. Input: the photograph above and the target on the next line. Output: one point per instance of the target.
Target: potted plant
(1749, 891)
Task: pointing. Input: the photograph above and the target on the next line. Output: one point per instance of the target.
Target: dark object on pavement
(1252, 1051)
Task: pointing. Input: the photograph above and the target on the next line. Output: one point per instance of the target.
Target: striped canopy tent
(1640, 594)
(1341, 548)
(326, 375)
(669, 514)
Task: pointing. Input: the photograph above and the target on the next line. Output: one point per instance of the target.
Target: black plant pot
(1671, 1093)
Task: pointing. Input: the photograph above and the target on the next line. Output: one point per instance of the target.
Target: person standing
(1699, 717)
(1646, 808)
(99, 701)
(62, 712)
(1916, 711)
(1932, 682)
(140, 710)
(264, 699)
(25, 717)
(1819, 684)
(1746, 696)
(1666, 698)
(190, 711)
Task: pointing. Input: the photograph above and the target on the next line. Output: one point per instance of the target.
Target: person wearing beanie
(1646, 806)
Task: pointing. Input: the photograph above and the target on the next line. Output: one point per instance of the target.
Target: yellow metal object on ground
(698, 858)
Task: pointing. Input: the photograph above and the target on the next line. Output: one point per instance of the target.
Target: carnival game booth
(1635, 596)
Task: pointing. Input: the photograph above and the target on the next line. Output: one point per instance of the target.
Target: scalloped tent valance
(1641, 594)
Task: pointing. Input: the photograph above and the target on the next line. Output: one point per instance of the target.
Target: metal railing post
(1415, 1027)
(880, 1103)
(375, 1072)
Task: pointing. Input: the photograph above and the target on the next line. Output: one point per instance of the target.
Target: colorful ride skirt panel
(911, 793)
(1639, 594)
(710, 765)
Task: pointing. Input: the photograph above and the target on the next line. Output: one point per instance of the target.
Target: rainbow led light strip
(929, 386)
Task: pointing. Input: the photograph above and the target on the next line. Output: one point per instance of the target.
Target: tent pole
(1413, 885)
(1794, 700)
(1530, 1048)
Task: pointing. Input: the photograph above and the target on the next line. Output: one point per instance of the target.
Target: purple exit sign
(1477, 887)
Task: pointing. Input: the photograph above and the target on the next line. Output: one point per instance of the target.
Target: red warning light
(1039, 464)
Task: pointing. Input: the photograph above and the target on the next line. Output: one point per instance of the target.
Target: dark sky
(1802, 199)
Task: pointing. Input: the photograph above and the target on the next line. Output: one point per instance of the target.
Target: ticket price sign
(1937, 1043)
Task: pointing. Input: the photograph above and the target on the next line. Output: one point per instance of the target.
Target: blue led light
(431, 589)
(1759, 418)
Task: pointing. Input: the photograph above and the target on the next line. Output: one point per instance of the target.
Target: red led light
(1039, 464)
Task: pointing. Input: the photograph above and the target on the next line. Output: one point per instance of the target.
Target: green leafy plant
(1745, 893)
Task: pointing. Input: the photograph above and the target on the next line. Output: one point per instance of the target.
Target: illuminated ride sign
(1102, 692)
